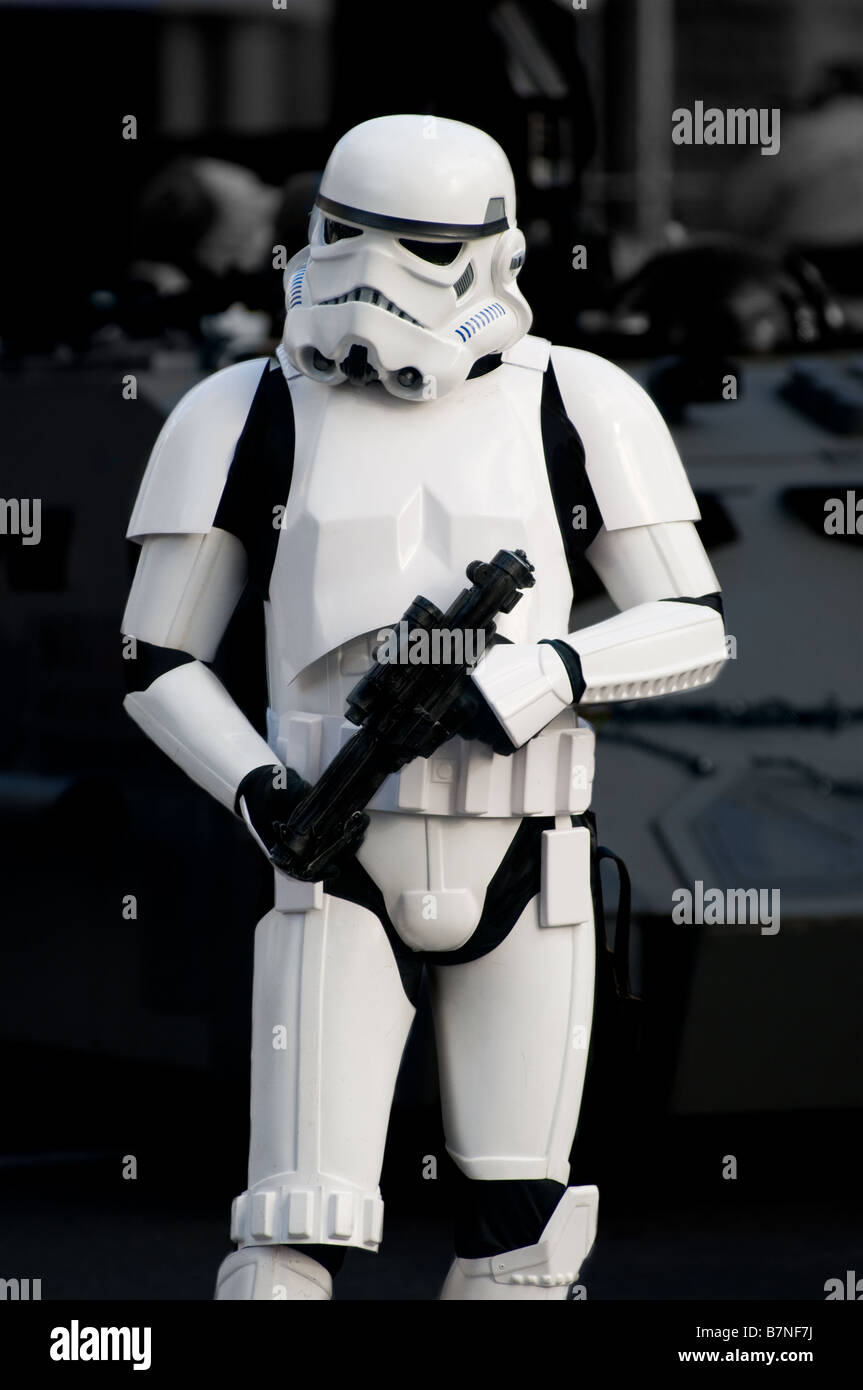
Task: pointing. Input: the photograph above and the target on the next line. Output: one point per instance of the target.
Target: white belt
(552, 774)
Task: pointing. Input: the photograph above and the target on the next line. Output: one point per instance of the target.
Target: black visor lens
(437, 252)
(337, 231)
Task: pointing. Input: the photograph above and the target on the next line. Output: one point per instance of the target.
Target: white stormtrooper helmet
(409, 277)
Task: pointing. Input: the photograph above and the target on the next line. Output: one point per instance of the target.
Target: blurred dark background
(131, 268)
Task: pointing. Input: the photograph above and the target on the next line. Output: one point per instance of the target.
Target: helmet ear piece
(508, 258)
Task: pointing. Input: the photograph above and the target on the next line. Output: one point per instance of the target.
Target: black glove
(269, 805)
(270, 794)
(478, 720)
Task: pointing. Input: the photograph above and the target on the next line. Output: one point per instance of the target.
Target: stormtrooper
(409, 426)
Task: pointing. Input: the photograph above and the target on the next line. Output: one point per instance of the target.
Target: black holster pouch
(618, 1010)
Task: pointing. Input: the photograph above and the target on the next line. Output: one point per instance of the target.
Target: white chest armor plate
(391, 499)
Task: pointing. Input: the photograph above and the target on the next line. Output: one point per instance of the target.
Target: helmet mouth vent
(357, 367)
(364, 294)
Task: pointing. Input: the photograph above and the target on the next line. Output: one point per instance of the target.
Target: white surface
(418, 169)
(189, 714)
(526, 686)
(632, 462)
(185, 590)
(565, 892)
(541, 1272)
(653, 649)
(183, 482)
(329, 1022)
(391, 499)
(512, 1032)
(259, 1274)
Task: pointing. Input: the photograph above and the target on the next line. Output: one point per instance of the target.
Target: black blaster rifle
(405, 710)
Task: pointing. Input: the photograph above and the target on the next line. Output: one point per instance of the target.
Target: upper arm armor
(631, 460)
(644, 563)
(185, 476)
(185, 590)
